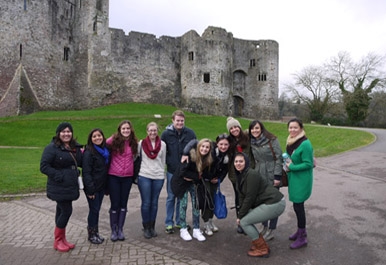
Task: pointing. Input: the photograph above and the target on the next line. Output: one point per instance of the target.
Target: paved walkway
(346, 220)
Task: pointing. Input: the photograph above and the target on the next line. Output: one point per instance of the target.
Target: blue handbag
(220, 205)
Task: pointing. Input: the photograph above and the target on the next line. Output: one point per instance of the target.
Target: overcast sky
(309, 32)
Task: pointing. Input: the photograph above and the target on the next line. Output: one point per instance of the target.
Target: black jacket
(62, 172)
(175, 144)
(94, 172)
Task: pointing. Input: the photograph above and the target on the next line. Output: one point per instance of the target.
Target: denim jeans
(119, 189)
(184, 206)
(150, 190)
(260, 214)
(94, 206)
(172, 203)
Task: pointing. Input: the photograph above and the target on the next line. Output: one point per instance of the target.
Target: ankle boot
(92, 236)
(294, 236)
(114, 225)
(152, 229)
(121, 222)
(301, 239)
(98, 235)
(59, 245)
(261, 248)
(146, 230)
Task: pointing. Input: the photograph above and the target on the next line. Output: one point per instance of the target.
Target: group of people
(251, 159)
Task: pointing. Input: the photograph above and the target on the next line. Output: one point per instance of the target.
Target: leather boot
(261, 248)
(98, 235)
(152, 229)
(301, 240)
(294, 236)
(58, 243)
(121, 222)
(92, 236)
(68, 244)
(146, 230)
(114, 225)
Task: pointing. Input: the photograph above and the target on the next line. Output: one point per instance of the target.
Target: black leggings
(63, 213)
(300, 214)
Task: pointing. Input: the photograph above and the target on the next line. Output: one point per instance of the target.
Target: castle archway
(238, 103)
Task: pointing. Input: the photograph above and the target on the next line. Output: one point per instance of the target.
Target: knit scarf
(294, 142)
(148, 147)
(258, 141)
(104, 152)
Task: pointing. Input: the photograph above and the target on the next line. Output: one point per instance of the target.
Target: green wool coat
(300, 176)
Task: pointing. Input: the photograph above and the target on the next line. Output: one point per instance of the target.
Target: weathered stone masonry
(61, 54)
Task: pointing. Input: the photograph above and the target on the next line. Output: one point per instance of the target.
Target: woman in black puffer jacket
(60, 161)
(96, 158)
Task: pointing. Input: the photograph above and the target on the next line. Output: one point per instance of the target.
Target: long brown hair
(118, 143)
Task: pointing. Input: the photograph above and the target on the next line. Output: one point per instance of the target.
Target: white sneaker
(184, 234)
(208, 229)
(198, 235)
(269, 235)
(212, 226)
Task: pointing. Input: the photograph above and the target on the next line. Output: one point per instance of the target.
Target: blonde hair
(202, 162)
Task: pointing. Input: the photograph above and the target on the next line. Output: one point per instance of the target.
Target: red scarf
(148, 147)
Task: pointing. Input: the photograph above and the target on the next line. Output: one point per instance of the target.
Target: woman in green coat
(300, 177)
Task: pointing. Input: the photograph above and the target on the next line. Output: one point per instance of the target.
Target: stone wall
(71, 59)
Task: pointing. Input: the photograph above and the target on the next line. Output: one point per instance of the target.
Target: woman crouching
(259, 202)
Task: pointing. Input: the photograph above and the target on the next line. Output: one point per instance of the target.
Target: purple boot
(301, 239)
(294, 236)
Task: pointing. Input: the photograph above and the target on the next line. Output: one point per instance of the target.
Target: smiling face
(294, 129)
(235, 131)
(178, 122)
(65, 135)
(97, 138)
(239, 163)
(152, 132)
(256, 130)
(223, 145)
(204, 148)
(125, 130)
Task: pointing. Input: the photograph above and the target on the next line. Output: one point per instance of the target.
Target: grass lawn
(20, 166)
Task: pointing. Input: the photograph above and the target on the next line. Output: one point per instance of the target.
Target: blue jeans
(172, 203)
(94, 208)
(119, 188)
(184, 206)
(150, 190)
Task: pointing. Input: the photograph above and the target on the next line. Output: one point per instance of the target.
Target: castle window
(262, 77)
(191, 56)
(21, 51)
(206, 77)
(252, 63)
(99, 5)
(66, 54)
(94, 26)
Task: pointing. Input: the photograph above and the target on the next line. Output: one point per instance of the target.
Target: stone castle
(61, 55)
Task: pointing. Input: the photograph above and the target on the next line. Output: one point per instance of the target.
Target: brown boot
(261, 248)
(253, 245)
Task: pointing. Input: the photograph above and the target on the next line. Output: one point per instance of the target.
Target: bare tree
(314, 88)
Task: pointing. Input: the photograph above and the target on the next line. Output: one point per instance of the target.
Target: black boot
(114, 225)
(152, 229)
(92, 236)
(146, 230)
(98, 235)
